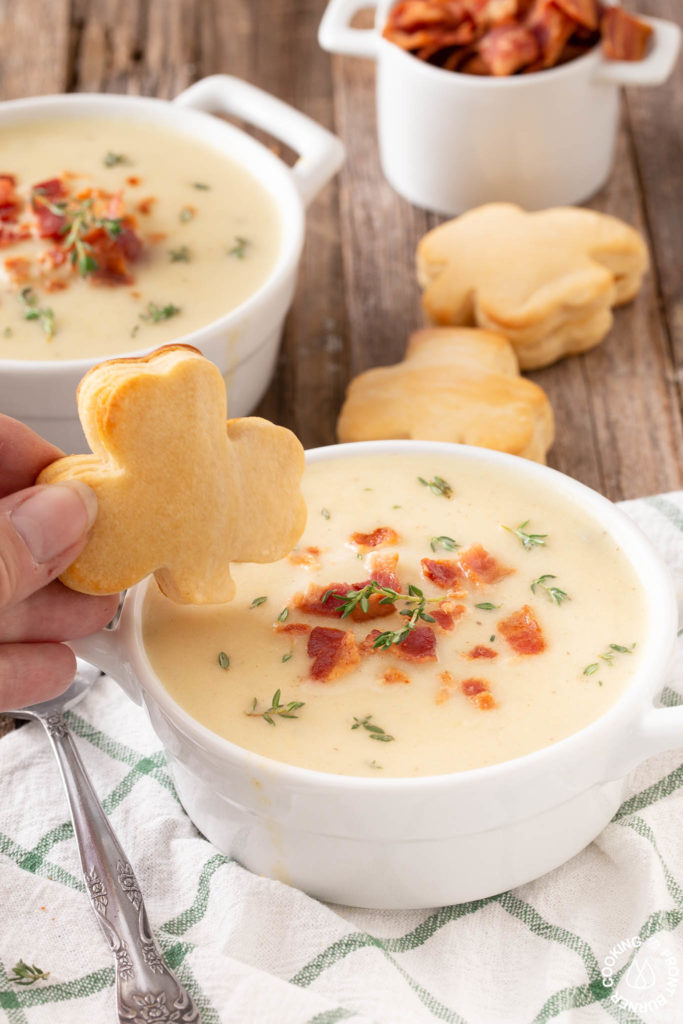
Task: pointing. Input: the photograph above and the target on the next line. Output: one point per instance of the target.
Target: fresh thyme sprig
(376, 731)
(554, 593)
(608, 656)
(27, 974)
(438, 486)
(155, 314)
(78, 222)
(239, 248)
(529, 540)
(276, 708)
(353, 599)
(32, 311)
(445, 542)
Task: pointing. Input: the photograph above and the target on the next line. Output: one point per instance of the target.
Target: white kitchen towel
(597, 940)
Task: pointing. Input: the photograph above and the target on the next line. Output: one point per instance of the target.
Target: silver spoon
(143, 981)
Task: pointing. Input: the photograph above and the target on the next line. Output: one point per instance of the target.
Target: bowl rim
(278, 183)
(660, 601)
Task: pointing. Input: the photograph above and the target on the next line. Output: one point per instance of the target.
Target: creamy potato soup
(499, 619)
(117, 235)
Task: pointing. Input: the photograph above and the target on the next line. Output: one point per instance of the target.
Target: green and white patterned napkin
(253, 951)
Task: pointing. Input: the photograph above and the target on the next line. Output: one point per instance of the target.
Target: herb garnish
(486, 606)
(446, 542)
(32, 311)
(282, 617)
(376, 732)
(373, 764)
(492, 638)
(201, 185)
(437, 486)
(223, 660)
(155, 314)
(325, 513)
(554, 593)
(286, 657)
(26, 974)
(238, 249)
(608, 656)
(529, 540)
(276, 708)
(258, 601)
(114, 159)
(591, 669)
(181, 255)
(78, 222)
(7, 333)
(187, 213)
(353, 598)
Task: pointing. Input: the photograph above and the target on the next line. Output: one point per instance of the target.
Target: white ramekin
(243, 343)
(451, 141)
(399, 843)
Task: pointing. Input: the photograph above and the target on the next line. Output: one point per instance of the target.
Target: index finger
(22, 455)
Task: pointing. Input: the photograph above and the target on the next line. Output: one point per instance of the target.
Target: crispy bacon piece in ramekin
(523, 631)
(333, 652)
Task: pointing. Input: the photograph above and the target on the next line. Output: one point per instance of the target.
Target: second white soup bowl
(416, 842)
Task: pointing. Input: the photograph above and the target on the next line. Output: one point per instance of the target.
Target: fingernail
(55, 517)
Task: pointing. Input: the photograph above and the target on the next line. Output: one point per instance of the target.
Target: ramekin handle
(321, 153)
(106, 651)
(655, 68)
(660, 729)
(336, 35)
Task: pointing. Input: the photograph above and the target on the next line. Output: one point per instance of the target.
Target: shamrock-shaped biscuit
(546, 280)
(455, 384)
(180, 494)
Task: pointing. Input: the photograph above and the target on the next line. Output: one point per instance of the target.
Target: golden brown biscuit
(546, 280)
(178, 494)
(455, 384)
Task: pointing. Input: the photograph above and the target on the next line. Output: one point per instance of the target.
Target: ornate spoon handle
(146, 989)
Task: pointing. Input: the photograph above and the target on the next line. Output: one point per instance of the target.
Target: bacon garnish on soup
(478, 693)
(333, 652)
(479, 567)
(381, 537)
(523, 632)
(419, 645)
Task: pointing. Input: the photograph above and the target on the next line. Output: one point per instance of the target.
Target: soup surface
(526, 621)
(117, 235)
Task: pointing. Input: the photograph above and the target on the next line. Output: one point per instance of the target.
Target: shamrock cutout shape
(180, 493)
(546, 280)
(455, 384)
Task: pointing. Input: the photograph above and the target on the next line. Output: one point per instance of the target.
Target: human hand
(42, 530)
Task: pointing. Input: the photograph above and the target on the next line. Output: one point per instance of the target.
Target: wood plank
(35, 46)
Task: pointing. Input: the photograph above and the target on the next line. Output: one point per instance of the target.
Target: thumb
(42, 531)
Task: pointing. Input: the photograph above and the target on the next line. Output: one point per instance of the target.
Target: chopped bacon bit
(447, 687)
(480, 651)
(481, 567)
(312, 601)
(478, 692)
(552, 28)
(295, 628)
(523, 632)
(445, 572)
(10, 204)
(380, 537)
(145, 205)
(584, 12)
(333, 651)
(133, 180)
(419, 645)
(447, 614)
(623, 36)
(507, 48)
(308, 557)
(55, 286)
(50, 224)
(18, 269)
(8, 236)
(382, 567)
(367, 646)
(394, 675)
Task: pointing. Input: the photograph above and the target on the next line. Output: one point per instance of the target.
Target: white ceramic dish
(451, 141)
(399, 843)
(243, 343)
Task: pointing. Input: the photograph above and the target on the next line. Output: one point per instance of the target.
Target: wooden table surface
(618, 408)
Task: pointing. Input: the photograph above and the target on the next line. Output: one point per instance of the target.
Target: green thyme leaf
(529, 540)
(553, 593)
(445, 542)
(201, 185)
(284, 614)
(258, 601)
(155, 314)
(115, 159)
(276, 708)
(486, 606)
(286, 657)
(223, 660)
(437, 486)
(186, 214)
(181, 255)
(591, 669)
(32, 311)
(239, 248)
(325, 513)
(25, 974)
(375, 731)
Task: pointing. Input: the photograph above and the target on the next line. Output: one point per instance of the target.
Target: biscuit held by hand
(455, 384)
(180, 493)
(546, 280)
